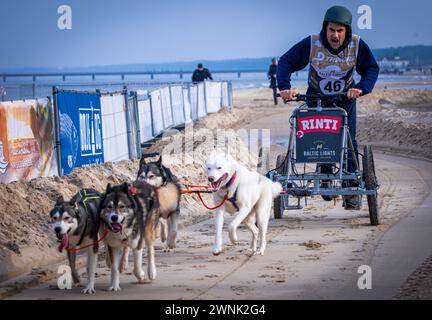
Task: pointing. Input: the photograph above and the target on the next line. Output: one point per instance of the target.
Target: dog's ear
(73, 200)
(60, 200)
(229, 157)
(142, 161)
(159, 162)
(108, 188)
(168, 174)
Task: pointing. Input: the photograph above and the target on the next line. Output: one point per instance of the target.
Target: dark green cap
(339, 14)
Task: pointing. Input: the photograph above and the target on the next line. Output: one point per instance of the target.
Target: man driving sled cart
(333, 55)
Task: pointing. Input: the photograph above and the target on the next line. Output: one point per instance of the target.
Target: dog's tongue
(117, 227)
(216, 184)
(64, 242)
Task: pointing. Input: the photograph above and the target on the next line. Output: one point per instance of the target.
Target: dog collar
(231, 181)
(132, 189)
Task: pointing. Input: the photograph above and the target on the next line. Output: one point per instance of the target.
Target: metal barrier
(114, 127)
(144, 116)
(91, 127)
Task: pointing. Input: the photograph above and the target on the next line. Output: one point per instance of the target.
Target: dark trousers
(275, 99)
(350, 108)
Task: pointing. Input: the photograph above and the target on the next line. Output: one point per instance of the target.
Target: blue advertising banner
(80, 130)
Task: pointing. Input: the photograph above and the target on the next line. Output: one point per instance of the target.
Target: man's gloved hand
(288, 94)
(354, 93)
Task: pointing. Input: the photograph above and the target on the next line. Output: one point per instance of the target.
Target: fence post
(230, 97)
(197, 101)
(151, 113)
(128, 124)
(205, 96)
(57, 142)
(137, 123)
(162, 109)
(221, 95)
(172, 111)
(184, 106)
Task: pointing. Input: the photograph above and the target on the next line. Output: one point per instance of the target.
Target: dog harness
(84, 196)
(234, 197)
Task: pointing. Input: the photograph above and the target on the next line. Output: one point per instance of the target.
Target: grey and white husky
(76, 224)
(168, 193)
(131, 213)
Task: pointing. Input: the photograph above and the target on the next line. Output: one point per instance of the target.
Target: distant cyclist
(333, 55)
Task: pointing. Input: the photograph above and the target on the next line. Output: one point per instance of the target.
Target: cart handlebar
(314, 97)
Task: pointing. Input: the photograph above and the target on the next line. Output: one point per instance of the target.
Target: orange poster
(26, 140)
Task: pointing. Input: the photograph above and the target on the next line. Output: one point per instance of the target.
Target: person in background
(200, 74)
(271, 75)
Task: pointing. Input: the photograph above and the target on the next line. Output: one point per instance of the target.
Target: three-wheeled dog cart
(319, 136)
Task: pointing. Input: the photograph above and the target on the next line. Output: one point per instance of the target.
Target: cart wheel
(278, 212)
(280, 168)
(370, 184)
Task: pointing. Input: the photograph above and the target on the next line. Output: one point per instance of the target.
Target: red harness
(89, 245)
(230, 182)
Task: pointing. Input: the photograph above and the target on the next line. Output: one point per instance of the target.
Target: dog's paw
(217, 249)
(114, 288)
(217, 252)
(140, 275)
(88, 290)
(166, 248)
(259, 252)
(142, 280)
(152, 273)
(250, 252)
(172, 243)
(123, 267)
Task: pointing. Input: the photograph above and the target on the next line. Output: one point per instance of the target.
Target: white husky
(248, 194)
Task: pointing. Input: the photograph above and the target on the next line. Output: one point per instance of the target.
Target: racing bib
(328, 73)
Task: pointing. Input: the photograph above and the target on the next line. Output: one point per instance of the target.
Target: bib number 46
(332, 86)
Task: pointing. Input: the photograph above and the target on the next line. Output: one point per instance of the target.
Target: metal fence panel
(166, 107)
(201, 100)
(177, 105)
(187, 106)
(114, 128)
(230, 96)
(193, 95)
(213, 96)
(132, 122)
(156, 109)
(225, 95)
(145, 120)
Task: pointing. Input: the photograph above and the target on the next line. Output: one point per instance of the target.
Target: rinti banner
(26, 140)
(319, 136)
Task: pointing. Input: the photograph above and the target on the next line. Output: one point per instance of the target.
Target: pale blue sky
(145, 31)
